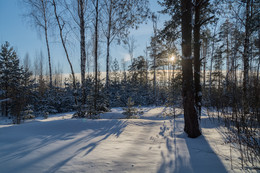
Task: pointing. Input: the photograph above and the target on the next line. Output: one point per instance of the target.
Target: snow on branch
(187, 58)
(5, 100)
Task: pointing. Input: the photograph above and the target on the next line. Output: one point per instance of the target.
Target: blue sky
(25, 39)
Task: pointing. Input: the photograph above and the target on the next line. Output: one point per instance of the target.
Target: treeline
(29, 90)
(89, 24)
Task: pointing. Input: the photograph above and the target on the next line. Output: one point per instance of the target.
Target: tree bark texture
(205, 52)
(246, 60)
(109, 27)
(96, 56)
(190, 115)
(154, 49)
(108, 43)
(81, 13)
(197, 64)
(46, 39)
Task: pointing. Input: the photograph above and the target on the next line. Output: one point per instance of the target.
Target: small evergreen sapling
(130, 111)
(46, 115)
(28, 113)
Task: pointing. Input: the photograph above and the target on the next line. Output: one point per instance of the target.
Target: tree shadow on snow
(187, 155)
(54, 143)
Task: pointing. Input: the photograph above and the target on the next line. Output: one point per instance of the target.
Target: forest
(203, 60)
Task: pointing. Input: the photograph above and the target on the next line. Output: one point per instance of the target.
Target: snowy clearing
(153, 143)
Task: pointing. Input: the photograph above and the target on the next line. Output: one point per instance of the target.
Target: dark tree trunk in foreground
(196, 33)
(190, 114)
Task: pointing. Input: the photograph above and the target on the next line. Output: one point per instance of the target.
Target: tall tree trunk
(108, 49)
(196, 33)
(154, 60)
(65, 49)
(190, 114)
(154, 81)
(88, 60)
(246, 60)
(227, 65)
(257, 81)
(147, 66)
(46, 39)
(81, 13)
(211, 60)
(108, 43)
(96, 55)
(108, 59)
(205, 52)
(258, 66)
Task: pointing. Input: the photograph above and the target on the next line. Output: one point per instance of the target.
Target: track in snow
(149, 144)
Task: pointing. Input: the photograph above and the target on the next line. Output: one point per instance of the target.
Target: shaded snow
(148, 144)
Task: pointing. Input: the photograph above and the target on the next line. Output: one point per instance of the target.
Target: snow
(5, 100)
(153, 143)
(187, 58)
(5, 121)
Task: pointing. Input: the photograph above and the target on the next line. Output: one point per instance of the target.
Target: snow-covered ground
(153, 143)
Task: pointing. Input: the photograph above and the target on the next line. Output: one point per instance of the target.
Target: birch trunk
(96, 54)
(46, 39)
(65, 49)
(81, 13)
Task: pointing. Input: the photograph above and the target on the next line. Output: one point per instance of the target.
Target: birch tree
(96, 34)
(82, 5)
(61, 23)
(117, 20)
(40, 13)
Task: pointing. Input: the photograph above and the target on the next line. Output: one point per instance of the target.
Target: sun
(172, 58)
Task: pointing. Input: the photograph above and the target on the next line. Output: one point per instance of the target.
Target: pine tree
(181, 21)
(225, 35)
(154, 49)
(190, 114)
(10, 75)
(202, 16)
(26, 86)
(130, 111)
(8, 61)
